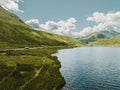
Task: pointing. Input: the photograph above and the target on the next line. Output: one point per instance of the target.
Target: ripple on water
(91, 68)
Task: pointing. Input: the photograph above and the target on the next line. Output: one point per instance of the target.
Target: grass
(15, 33)
(106, 42)
(99, 35)
(19, 36)
(6, 16)
(30, 70)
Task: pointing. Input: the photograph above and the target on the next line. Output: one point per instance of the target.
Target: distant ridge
(99, 35)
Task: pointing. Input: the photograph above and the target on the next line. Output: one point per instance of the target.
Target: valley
(26, 61)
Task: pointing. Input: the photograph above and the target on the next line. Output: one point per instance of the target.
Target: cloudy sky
(75, 18)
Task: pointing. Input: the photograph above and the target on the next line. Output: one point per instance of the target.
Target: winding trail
(21, 49)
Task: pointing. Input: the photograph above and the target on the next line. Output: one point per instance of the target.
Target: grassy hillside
(15, 33)
(106, 42)
(91, 38)
(99, 35)
(30, 70)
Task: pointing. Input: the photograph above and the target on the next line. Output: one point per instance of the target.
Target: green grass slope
(15, 33)
(106, 42)
(30, 70)
(91, 38)
(99, 35)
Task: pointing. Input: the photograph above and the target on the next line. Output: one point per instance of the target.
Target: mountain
(15, 33)
(29, 69)
(99, 35)
(106, 42)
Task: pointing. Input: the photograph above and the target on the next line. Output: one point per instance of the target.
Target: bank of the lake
(30, 69)
(90, 68)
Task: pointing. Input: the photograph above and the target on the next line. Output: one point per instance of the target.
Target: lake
(90, 68)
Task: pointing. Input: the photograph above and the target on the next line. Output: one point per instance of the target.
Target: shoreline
(61, 86)
(61, 48)
(35, 69)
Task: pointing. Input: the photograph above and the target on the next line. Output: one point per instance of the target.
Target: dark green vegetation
(99, 35)
(15, 33)
(30, 70)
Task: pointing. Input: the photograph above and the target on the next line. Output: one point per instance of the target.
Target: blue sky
(72, 13)
(55, 10)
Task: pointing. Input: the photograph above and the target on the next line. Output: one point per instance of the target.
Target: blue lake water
(90, 68)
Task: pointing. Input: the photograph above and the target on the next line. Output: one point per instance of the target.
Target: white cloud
(49, 25)
(97, 17)
(85, 32)
(34, 23)
(60, 27)
(109, 21)
(12, 5)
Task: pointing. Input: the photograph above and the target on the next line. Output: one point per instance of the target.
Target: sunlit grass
(20, 69)
(106, 42)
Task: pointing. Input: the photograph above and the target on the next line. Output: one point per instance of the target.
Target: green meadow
(30, 70)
